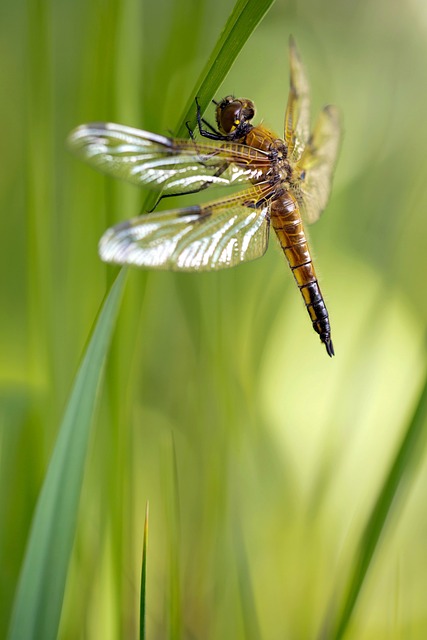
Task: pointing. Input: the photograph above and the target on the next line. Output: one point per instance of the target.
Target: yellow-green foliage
(270, 469)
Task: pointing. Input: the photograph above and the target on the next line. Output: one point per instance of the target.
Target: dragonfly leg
(213, 134)
(209, 126)
(205, 185)
(190, 130)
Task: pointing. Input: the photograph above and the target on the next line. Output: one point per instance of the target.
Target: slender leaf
(247, 596)
(142, 608)
(39, 597)
(174, 514)
(243, 20)
(397, 479)
(239, 26)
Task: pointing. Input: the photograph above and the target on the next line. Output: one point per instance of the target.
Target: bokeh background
(260, 456)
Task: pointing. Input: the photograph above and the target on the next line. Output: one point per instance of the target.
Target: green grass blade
(241, 23)
(397, 479)
(142, 607)
(239, 26)
(247, 595)
(38, 601)
(175, 605)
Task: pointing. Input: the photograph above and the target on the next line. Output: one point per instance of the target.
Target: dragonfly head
(233, 116)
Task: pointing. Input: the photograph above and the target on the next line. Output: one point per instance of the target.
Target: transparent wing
(297, 117)
(174, 165)
(213, 236)
(317, 164)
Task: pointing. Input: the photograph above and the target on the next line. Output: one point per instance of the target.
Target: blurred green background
(260, 456)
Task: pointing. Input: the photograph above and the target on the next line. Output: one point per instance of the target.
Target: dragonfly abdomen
(287, 223)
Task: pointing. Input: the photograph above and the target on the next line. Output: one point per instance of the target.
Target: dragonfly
(287, 182)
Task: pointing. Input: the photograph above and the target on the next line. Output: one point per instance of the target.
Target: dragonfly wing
(317, 164)
(173, 165)
(213, 236)
(297, 117)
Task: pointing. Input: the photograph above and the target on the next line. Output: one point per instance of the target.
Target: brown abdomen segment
(287, 223)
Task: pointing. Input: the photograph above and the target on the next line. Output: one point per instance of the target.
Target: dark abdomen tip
(328, 344)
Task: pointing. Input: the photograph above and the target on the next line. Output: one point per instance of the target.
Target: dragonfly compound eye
(233, 112)
(229, 115)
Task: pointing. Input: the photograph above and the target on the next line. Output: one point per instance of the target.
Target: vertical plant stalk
(396, 482)
(247, 595)
(244, 18)
(38, 602)
(175, 602)
(39, 170)
(142, 607)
